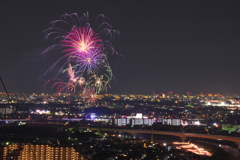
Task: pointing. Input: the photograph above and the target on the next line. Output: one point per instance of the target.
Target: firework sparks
(90, 94)
(81, 81)
(80, 41)
(71, 74)
(99, 83)
(91, 62)
(85, 49)
(64, 87)
(80, 37)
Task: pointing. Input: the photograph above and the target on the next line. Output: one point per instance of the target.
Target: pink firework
(90, 95)
(79, 36)
(81, 40)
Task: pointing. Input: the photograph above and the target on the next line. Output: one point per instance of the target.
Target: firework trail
(84, 52)
(71, 74)
(61, 86)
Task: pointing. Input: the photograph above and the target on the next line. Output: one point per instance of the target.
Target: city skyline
(171, 46)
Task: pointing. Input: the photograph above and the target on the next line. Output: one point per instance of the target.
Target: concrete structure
(181, 135)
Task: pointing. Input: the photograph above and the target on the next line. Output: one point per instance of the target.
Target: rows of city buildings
(206, 99)
(206, 114)
(207, 111)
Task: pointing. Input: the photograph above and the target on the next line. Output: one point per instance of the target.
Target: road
(178, 134)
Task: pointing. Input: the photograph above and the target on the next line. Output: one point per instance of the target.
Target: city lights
(192, 148)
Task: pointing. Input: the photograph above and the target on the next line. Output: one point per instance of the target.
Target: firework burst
(91, 62)
(76, 35)
(85, 49)
(79, 41)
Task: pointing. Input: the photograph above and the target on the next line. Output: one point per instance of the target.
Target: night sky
(167, 46)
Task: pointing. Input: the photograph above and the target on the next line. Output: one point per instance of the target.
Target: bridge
(181, 135)
(15, 120)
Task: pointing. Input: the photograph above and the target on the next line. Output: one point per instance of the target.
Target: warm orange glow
(192, 148)
(46, 152)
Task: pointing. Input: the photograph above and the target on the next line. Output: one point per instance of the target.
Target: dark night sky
(171, 45)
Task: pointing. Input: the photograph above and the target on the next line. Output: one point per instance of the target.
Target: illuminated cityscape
(119, 80)
(68, 121)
